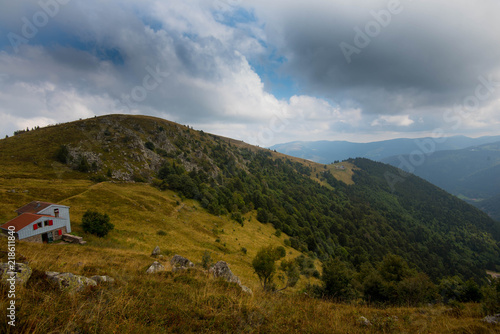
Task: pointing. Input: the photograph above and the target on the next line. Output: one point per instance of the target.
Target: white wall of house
(57, 223)
(63, 213)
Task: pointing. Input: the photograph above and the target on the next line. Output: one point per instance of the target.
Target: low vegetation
(96, 223)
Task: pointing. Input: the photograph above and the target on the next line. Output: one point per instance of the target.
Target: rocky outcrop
(70, 282)
(73, 239)
(103, 279)
(221, 270)
(180, 263)
(21, 272)
(156, 251)
(492, 319)
(156, 267)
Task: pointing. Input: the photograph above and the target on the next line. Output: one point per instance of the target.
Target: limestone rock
(180, 263)
(221, 269)
(246, 289)
(156, 267)
(103, 279)
(73, 239)
(20, 271)
(492, 319)
(69, 281)
(363, 321)
(156, 251)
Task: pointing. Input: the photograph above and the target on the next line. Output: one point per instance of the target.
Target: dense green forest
(435, 232)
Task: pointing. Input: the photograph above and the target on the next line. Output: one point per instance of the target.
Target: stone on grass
(156, 267)
(21, 272)
(221, 270)
(156, 251)
(180, 263)
(492, 319)
(103, 279)
(70, 282)
(365, 322)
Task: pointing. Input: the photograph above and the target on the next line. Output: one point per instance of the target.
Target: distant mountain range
(466, 167)
(329, 151)
(473, 173)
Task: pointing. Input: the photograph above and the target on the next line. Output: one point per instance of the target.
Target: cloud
(398, 120)
(207, 64)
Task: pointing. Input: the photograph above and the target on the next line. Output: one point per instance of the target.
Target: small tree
(265, 266)
(96, 223)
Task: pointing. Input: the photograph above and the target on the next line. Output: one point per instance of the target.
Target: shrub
(83, 166)
(98, 178)
(236, 216)
(337, 280)
(150, 146)
(491, 299)
(206, 260)
(62, 154)
(96, 223)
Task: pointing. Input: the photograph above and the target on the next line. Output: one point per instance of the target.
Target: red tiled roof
(33, 207)
(21, 221)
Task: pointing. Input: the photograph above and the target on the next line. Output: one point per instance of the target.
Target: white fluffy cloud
(202, 63)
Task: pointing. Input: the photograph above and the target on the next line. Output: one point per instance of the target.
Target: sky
(264, 72)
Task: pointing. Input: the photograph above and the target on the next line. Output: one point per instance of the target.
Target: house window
(39, 224)
(56, 212)
(46, 223)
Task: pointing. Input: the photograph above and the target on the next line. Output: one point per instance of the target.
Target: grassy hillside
(319, 208)
(189, 302)
(190, 192)
(145, 217)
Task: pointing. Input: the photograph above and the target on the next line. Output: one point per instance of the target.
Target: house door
(50, 236)
(45, 238)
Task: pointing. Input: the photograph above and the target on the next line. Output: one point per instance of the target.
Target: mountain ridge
(328, 151)
(345, 210)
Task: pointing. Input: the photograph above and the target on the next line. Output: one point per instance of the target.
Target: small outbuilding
(39, 222)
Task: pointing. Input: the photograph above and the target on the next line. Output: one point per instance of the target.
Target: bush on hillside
(96, 223)
(62, 154)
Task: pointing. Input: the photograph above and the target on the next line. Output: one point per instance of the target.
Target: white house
(40, 222)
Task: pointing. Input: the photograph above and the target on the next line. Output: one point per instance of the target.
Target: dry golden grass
(191, 301)
(140, 211)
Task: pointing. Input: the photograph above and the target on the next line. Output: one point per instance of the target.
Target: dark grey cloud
(428, 54)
